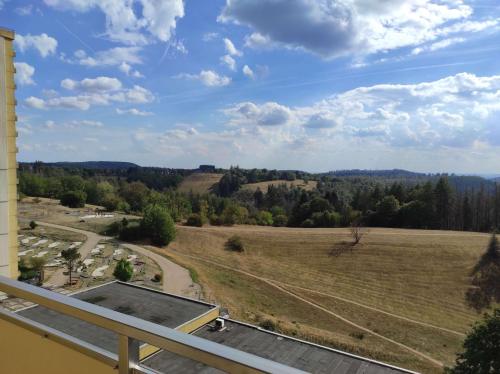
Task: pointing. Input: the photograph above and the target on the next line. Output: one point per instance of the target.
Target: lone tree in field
(357, 232)
(71, 255)
(485, 284)
(123, 270)
(481, 348)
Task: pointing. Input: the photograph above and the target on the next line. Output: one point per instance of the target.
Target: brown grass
(417, 274)
(199, 182)
(309, 186)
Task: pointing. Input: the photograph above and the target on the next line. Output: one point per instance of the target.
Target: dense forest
(394, 198)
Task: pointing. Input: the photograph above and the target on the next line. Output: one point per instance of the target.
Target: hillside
(308, 186)
(93, 165)
(199, 182)
(397, 286)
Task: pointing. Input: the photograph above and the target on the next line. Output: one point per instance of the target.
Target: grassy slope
(199, 182)
(420, 275)
(297, 183)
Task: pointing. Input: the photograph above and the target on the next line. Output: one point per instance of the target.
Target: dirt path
(280, 287)
(176, 279)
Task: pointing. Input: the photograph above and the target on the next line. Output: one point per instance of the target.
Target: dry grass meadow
(395, 286)
(308, 186)
(199, 182)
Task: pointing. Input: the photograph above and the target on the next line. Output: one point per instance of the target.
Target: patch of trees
(156, 225)
(481, 348)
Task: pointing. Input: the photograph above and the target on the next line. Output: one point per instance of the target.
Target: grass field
(310, 185)
(396, 286)
(199, 182)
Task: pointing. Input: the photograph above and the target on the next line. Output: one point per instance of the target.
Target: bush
(74, 199)
(157, 278)
(195, 220)
(215, 220)
(131, 233)
(307, 223)
(264, 218)
(234, 244)
(123, 270)
(280, 220)
(268, 324)
(33, 225)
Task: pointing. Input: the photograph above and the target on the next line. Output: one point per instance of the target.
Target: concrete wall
(24, 351)
(8, 164)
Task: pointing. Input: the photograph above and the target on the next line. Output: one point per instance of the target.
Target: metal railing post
(128, 354)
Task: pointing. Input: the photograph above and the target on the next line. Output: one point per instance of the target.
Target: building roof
(285, 350)
(174, 311)
(153, 306)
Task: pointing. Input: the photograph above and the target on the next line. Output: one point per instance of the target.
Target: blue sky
(291, 84)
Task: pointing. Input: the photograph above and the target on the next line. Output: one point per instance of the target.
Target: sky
(315, 85)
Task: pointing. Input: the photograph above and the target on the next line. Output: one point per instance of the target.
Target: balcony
(119, 327)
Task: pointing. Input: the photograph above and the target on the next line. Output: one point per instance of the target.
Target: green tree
(264, 218)
(158, 225)
(74, 199)
(123, 270)
(71, 255)
(481, 353)
(444, 198)
(37, 264)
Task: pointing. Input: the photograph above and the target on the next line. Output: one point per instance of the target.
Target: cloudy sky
(292, 84)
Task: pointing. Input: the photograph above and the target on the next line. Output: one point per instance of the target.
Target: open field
(308, 186)
(396, 287)
(49, 210)
(199, 182)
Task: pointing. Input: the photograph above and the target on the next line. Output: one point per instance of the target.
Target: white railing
(131, 331)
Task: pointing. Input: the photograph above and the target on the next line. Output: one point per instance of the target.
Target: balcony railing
(130, 331)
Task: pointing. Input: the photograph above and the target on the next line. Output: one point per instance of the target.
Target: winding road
(176, 279)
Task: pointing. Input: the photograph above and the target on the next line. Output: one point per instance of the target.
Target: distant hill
(96, 165)
(389, 174)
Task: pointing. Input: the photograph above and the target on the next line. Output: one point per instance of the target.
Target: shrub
(268, 324)
(157, 278)
(195, 220)
(33, 225)
(264, 218)
(234, 244)
(123, 270)
(74, 199)
(307, 223)
(215, 220)
(280, 220)
(357, 335)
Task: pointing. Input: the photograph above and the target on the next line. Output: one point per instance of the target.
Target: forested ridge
(386, 198)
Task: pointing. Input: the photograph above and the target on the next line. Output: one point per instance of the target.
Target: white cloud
(248, 72)
(268, 114)
(110, 57)
(428, 115)
(207, 77)
(127, 70)
(229, 62)
(356, 27)
(134, 112)
(444, 43)
(24, 10)
(131, 22)
(209, 36)
(92, 91)
(92, 84)
(230, 48)
(44, 44)
(24, 74)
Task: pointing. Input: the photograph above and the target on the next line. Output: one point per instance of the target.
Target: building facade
(8, 164)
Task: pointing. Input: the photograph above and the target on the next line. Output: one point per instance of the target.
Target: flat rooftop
(150, 305)
(285, 350)
(178, 312)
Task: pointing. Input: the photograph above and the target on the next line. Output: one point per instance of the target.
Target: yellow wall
(8, 150)
(23, 351)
